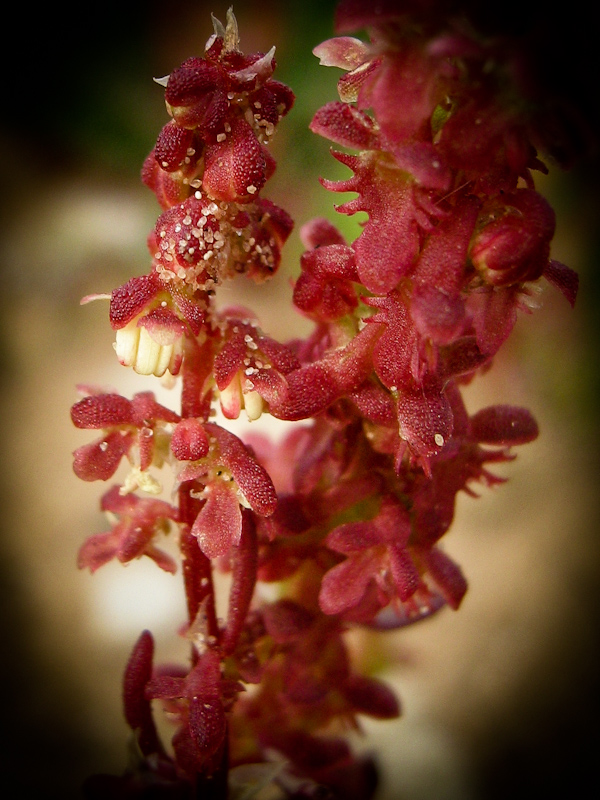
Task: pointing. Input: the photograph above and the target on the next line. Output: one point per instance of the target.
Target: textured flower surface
(337, 525)
(139, 521)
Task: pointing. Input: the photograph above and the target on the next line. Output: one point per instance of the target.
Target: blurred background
(501, 698)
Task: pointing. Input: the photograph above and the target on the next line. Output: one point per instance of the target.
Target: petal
(235, 169)
(252, 479)
(207, 722)
(97, 550)
(138, 711)
(446, 575)
(405, 574)
(130, 299)
(504, 425)
(344, 52)
(218, 526)
(425, 420)
(494, 315)
(145, 409)
(102, 411)
(370, 696)
(172, 146)
(189, 441)
(344, 586)
(100, 460)
(346, 125)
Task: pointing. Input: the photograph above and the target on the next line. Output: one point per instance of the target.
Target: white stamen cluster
(136, 348)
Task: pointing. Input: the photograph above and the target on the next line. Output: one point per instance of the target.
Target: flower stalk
(342, 520)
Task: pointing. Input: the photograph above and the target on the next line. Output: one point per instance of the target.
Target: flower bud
(514, 246)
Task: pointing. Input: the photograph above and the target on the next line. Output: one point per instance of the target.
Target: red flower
(138, 423)
(225, 108)
(198, 703)
(377, 554)
(325, 290)
(231, 478)
(250, 368)
(140, 520)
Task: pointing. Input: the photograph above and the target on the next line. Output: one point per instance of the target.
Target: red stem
(197, 568)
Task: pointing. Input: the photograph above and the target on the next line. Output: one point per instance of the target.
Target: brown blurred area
(500, 698)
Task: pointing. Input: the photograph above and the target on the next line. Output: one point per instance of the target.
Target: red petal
(172, 145)
(99, 460)
(138, 712)
(404, 572)
(372, 697)
(132, 298)
(191, 81)
(446, 575)
(189, 441)
(494, 315)
(218, 526)
(97, 550)
(504, 425)
(425, 420)
(253, 481)
(102, 411)
(346, 125)
(207, 722)
(236, 168)
(344, 586)
(147, 410)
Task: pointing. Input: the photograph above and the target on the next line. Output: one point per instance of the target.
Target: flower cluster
(343, 517)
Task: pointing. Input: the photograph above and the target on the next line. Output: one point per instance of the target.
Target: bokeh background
(501, 698)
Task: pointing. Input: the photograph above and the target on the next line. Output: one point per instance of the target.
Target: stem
(197, 568)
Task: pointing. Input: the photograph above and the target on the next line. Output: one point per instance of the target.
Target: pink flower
(377, 554)
(197, 702)
(225, 108)
(250, 368)
(126, 424)
(231, 478)
(140, 520)
(149, 326)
